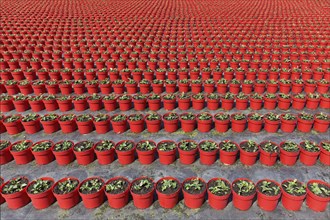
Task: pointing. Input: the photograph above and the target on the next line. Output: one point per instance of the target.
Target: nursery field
(179, 109)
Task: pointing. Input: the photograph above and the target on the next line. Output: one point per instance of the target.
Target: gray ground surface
(156, 171)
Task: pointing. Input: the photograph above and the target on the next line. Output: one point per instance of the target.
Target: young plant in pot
(321, 122)
(13, 124)
(272, 122)
(136, 123)
(21, 152)
(268, 194)
(198, 101)
(305, 122)
(95, 102)
(219, 191)
(194, 190)
(21, 103)
(85, 123)
(66, 192)
(31, 123)
(5, 155)
(154, 102)
(105, 151)
(188, 122)
(228, 152)
(169, 101)
(50, 123)
(213, 101)
(238, 122)
(153, 121)
(91, 191)
(184, 100)
(241, 101)
(119, 123)
(204, 122)
(249, 152)
(289, 152)
(227, 101)
(80, 103)
(126, 152)
(125, 102)
(244, 192)
(288, 122)
(270, 101)
(63, 152)
(222, 122)
(293, 194)
(166, 151)
(168, 190)
(42, 152)
(140, 102)
(268, 153)
(68, 123)
(313, 101)
(84, 152)
(110, 102)
(14, 192)
(64, 103)
(318, 195)
(256, 101)
(255, 122)
(309, 152)
(298, 101)
(117, 192)
(284, 101)
(187, 151)
(40, 192)
(50, 103)
(208, 152)
(146, 151)
(101, 123)
(171, 122)
(142, 190)
(325, 152)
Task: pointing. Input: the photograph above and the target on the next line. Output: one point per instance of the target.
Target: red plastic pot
(207, 157)
(94, 105)
(198, 104)
(125, 157)
(32, 127)
(215, 201)
(21, 105)
(2, 200)
(169, 105)
(43, 157)
(271, 126)
(140, 104)
(288, 126)
(298, 104)
(92, 200)
(154, 104)
(228, 157)
(187, 157)
(13, 127)
(153, 126)
(84, 157)
(304, 125)
(213, 104)
(105, 157)
(118, 126)
(267, 202)
(324, 156)
(324, 103)
(221, 126)
(227, 104)
(312, 103)
(42, 200)
(188, 125)
(193, 201)
(6, 105)
(64, 105)
(321, 125)
(125, 105)
(16, 200)
(50, 126)
(168, 201)
(288, 158)
(306, 157)
(5, 155)
(237, 125)
(315, 202)
(110, 105)
(117, 201)
(267, 158)
(242, 202)
(166, 157)
(270, 104)
(80, 105)
(69, 200)
(146, 157)
(241, 104)
(204, 125)
(184, 104)
(247, 158)
(142, 201)
(68, 126)
(22, 157)
(170, 125)
(102, 127)
(64, 157)
(291, 202)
